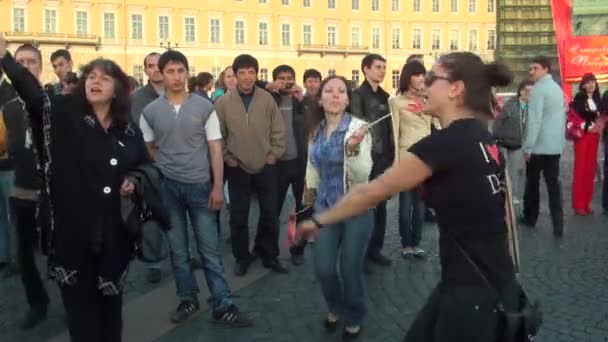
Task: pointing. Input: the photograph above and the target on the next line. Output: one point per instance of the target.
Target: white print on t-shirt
(491, 151)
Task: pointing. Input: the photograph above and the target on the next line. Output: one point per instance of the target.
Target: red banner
(586, 55)
(562, 21)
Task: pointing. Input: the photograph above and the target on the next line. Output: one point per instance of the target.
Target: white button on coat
(107, 190)
(113, 162)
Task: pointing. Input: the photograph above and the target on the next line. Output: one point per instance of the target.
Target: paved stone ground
(569, 277)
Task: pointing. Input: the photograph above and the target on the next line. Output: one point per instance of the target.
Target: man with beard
(370, 102)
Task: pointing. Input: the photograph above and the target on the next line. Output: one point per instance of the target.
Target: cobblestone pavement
(568, 276)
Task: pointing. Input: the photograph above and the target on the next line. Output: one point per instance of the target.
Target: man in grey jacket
(151, 91)
(544, 144)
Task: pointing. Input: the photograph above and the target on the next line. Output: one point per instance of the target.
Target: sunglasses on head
(431, 77)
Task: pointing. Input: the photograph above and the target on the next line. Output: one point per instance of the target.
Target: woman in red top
(587, 104)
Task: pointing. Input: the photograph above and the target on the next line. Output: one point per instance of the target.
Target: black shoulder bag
(514, 326)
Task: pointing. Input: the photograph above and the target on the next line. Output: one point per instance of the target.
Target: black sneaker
(231, 316)
(184, 311)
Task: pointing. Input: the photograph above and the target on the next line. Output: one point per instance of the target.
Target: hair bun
(498, 74)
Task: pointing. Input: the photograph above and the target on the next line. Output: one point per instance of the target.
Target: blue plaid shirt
(328, 159)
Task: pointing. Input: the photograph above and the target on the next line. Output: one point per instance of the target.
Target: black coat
(299, 127)
(88, 167)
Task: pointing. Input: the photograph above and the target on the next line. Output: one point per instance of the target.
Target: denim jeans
(183, 201)
(344, 290)
(411, 218)
(6, 188)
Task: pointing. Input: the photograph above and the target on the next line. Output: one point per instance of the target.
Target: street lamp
(169, 44)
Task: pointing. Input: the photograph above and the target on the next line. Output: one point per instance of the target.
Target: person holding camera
(291, 167)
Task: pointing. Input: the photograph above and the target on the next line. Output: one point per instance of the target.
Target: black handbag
(516, 326)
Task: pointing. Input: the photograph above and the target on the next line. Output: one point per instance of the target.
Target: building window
(239, 32)
(375, 5)
(355, 78)
(331, 72)
(417, 39)
(454, 6)
(307, 35)
(50, 21)
(417, 6)
(331, 36)
(331, 4)
(491, 6)
(216, 71)
(355, 36)
(395, 5)
(435, 6)
(454, 40)
(375, 38)
(396, 38)
(189, 29)
(491, 39)
(436, 39)
(264, 74)
(137, 26)
(306, 3)
(262, 1)
(109, 25)
(215, 30)
(395, 79)
(285, 2)
(192, 70)
(82, 22)
(263, 33)
(19, 19)
(138, 73)
(473, 45)
(355, 4)
(285, 34)
(163, 27)
(472, 6)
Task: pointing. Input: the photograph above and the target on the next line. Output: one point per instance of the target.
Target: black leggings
(457, 313)
(92, 317)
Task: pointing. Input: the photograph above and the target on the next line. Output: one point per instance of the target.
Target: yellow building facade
(329, 35)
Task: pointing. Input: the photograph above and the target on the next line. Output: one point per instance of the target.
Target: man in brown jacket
(254, 139)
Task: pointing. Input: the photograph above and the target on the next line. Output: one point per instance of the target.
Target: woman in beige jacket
(410, 124)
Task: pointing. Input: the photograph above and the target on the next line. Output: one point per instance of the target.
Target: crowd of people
(71, 149)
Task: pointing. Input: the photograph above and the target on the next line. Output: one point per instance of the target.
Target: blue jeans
(6, 188)
(344, 291)
(411, 218)
(184, 200)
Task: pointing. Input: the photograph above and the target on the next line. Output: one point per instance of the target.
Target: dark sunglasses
(430, 78)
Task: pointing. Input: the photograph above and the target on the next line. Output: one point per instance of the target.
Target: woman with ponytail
(462, 173)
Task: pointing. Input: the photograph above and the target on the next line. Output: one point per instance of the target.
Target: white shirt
(592, 105)
(212, 127)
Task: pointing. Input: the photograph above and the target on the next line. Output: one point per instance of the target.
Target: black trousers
(92, 317)
(292, 172)
(23, 213)
(241, 185)
(376, 242)
(460, 313)
(605, 181)
(549, 166)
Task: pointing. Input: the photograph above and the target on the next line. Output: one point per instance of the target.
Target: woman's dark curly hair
(120, 108)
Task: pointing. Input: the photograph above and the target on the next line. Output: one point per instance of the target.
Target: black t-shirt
(467, 193)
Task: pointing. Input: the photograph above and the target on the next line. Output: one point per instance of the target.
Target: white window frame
(433, 31)
(219, 31)
(476, 40)
(133, 26)
(24, 9)
(417, 6)
(454, 6)
(457, 39)
(355, 42)
(488, 39)
(335, 31)
(159, 26)
(379, 37)
(56, 20)
(395, 5)
(243, 33)
(420, 40)
(186, 31)
(304, 34)
(436, 4)
(377, 7)
(103, 20)
(267, 33)
(330, 3)
(396, 38)
(289, 38)
(472, 6)
(352, 5)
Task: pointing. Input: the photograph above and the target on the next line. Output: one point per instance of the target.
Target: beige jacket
(249, 137)
(357, 167)
(408, 127)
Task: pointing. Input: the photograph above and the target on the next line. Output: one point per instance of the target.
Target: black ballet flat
(349, 336)
(330, 326)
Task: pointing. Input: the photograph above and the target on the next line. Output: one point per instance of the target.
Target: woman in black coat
(87, 144)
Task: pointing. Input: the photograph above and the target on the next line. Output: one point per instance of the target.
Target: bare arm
(217, 163)
(409, 173)
(151, 150)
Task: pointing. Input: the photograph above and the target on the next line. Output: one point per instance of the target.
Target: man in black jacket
(24, 198)
(291, 167)
(370, 102)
